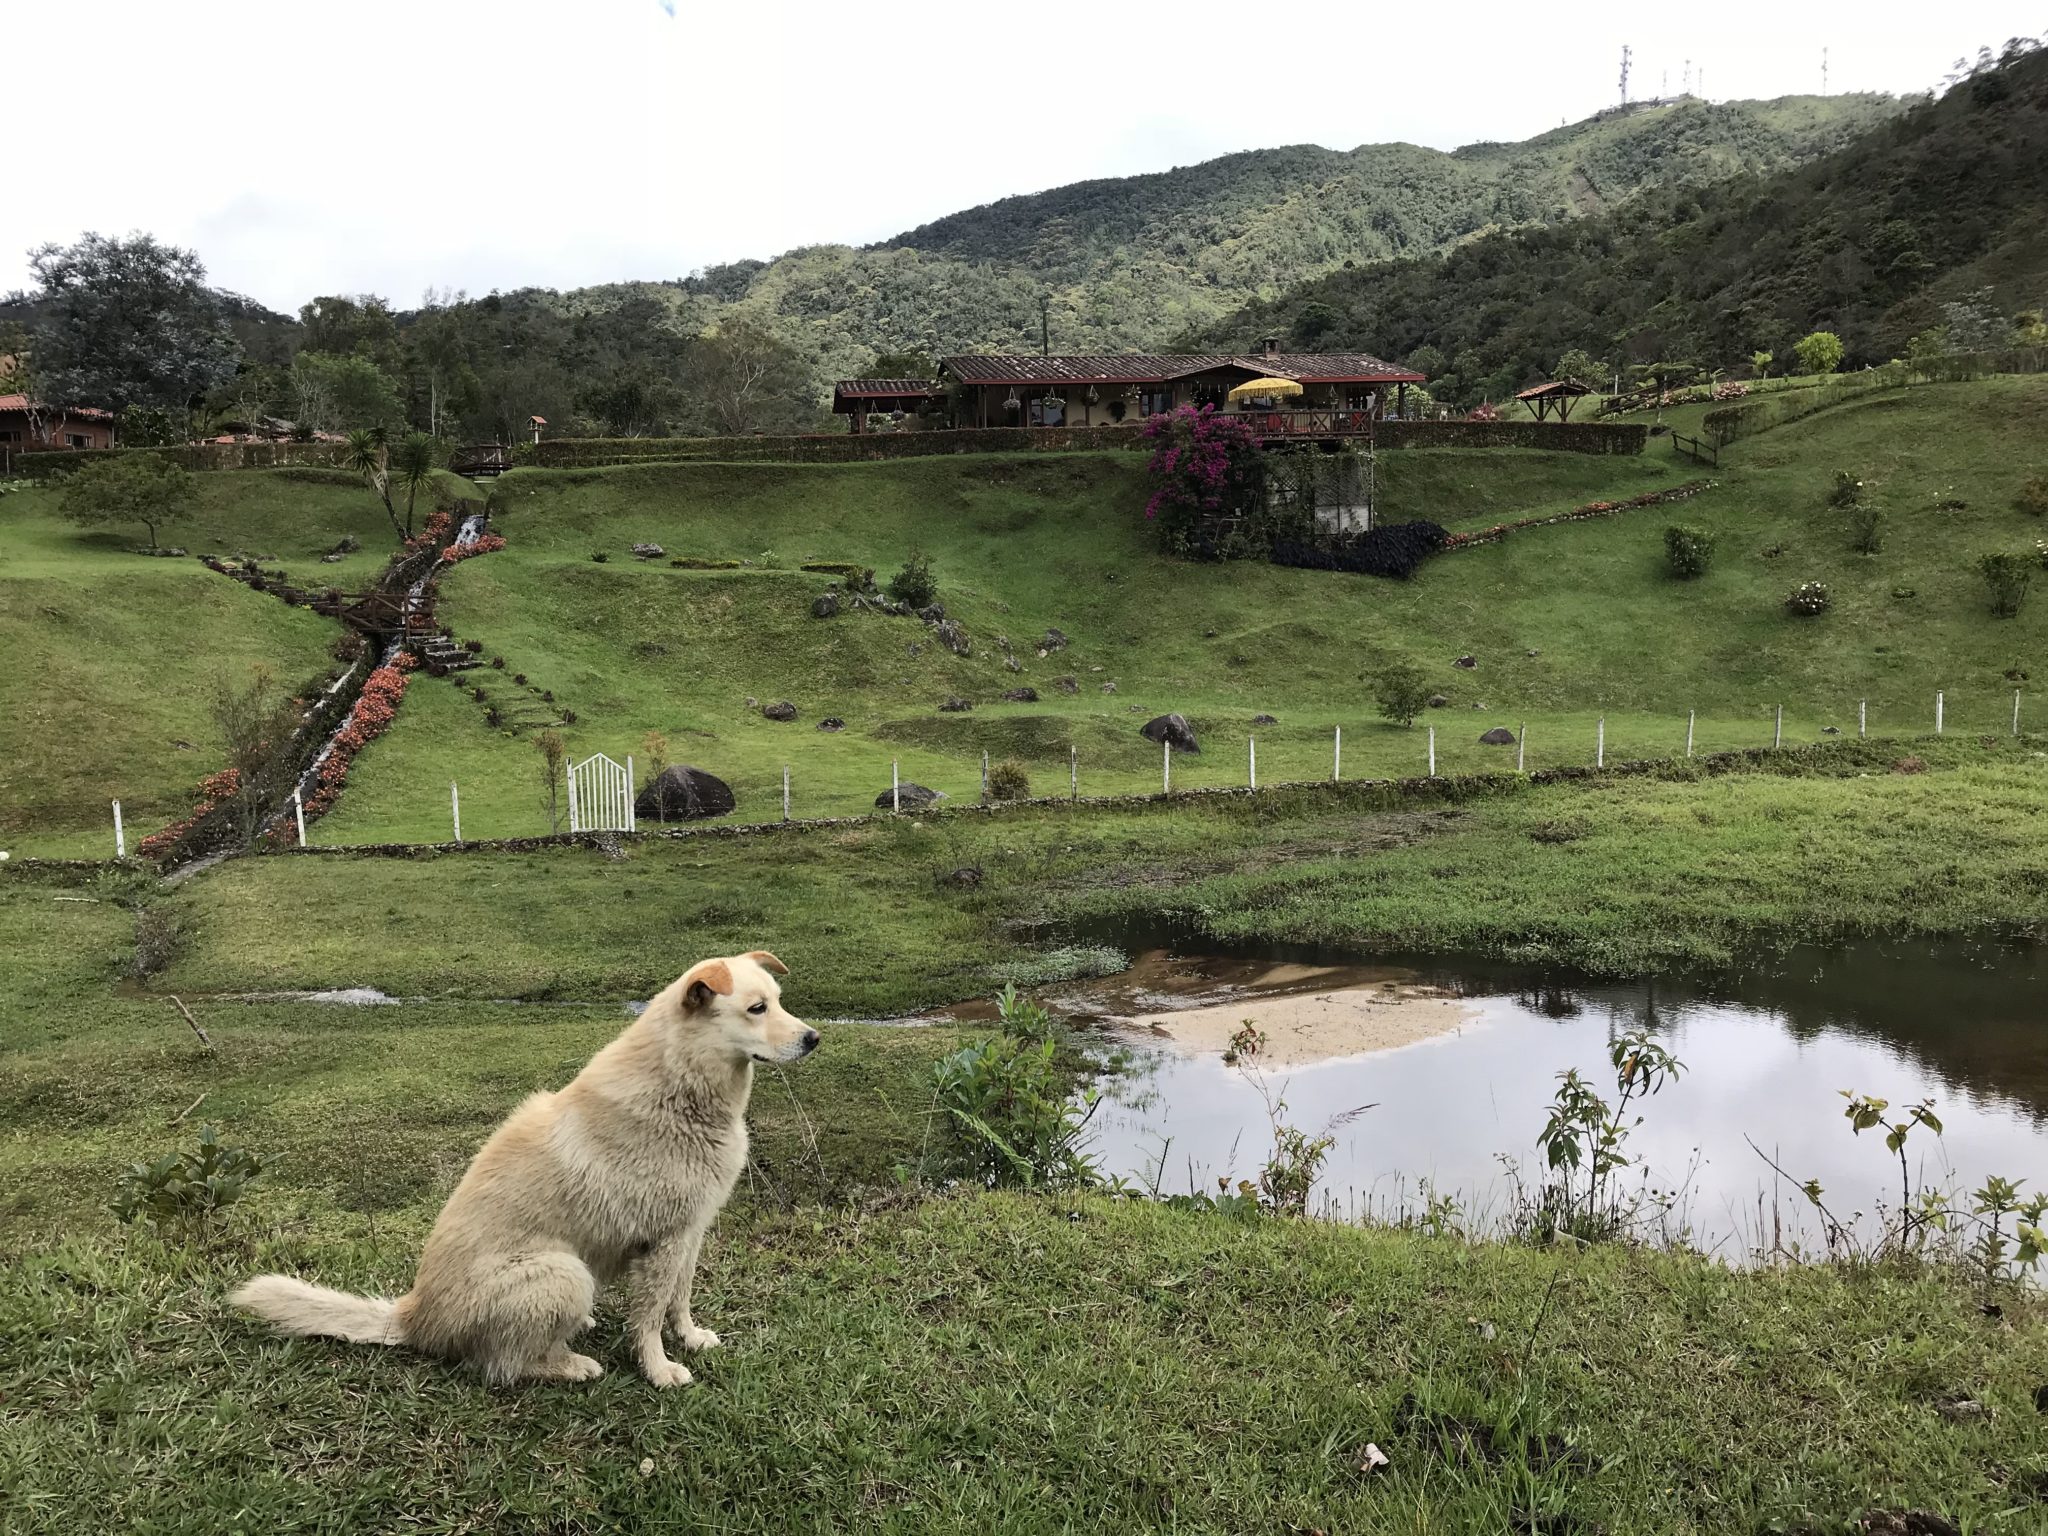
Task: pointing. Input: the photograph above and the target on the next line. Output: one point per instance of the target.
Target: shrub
(182, 1189)
(2007, 577)
(158, 934)
(1401, 691)
(2033, 497)
(599, 556)
(1819, 352)
(1204, 464)
(1688, 550)
(1007, 780)
(1393, 549)
(1846, 491)
(1808, 598)
(915, 585)
(1012, 1120)
(1866, 529)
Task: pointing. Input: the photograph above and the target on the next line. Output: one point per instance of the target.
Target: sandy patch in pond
(1314, 1026)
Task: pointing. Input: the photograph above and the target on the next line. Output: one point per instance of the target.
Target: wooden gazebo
(1559, 395)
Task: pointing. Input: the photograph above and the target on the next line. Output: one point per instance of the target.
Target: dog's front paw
(696, 1339)
(580, 1368)
(667, 1373)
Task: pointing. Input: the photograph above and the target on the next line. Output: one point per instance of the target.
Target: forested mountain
(1933, 221)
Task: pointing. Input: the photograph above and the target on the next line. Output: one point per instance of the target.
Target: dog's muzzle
(798, 1048)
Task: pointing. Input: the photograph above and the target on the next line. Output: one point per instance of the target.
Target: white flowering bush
(1809, 598)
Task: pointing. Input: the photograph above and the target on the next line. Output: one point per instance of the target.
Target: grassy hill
(1566, 624)
(1942, 205)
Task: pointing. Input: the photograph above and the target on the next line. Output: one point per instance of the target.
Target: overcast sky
(388, 145)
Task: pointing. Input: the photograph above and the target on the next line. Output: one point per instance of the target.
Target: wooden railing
(1270, 425)
(1701, 450)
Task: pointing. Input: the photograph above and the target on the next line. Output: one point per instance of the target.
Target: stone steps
(440, 652)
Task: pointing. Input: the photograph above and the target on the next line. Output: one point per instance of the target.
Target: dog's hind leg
(523, 1316)
(688, 1334)
(650, 1287)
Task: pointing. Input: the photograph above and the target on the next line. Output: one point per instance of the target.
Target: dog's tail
(293, 1306)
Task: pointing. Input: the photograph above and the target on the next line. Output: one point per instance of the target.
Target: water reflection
(1766, 1048)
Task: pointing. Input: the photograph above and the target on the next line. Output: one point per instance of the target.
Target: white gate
(601, 795)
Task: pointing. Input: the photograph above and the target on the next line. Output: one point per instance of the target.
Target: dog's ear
(767, 962)
(703, 979)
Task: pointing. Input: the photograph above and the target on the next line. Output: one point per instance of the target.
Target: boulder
(953, 637)
(955, 705)
(1012, 664)
(648, 551)
(1264, 720)
(681, 793)
(825, 606)
(782, 711)
(1467, 662)
(1499, 736)
(332, 559)
(1437, 701)
(1021, 696)
(932, 613)
(965, 878)
(910, 796)
(1052, 640)
(1066, 684)
(1109, 687)
(831, 723)
(1174, 730)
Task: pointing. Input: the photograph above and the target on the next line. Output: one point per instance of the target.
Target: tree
(554, 752)
(369, 454)
(351, 326)
(129, 322)
(744, 374)
(337, 393)
(1401, 691)
(1581, 365)
(128, 488)
(1761, 362)
(254, 719)
(1819, 352)
(413, 463)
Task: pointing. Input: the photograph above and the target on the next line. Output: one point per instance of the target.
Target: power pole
(1624, 74)
(1823, 70)
(1045, 324)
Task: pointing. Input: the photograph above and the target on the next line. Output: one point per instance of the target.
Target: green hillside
(1930, 219)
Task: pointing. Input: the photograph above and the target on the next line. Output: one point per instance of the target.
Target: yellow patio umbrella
(1265, 387)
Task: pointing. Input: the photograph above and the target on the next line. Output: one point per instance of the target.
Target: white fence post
(1939, 701)
(1432, 751)
(785, 791)
(120, 837)
(984, 778)
(1778, 730)
(1521, 745)
(632, 816)
(1337, 757)
(895, 787)
(455, 808)
(1166, 767)
(575, 821)
(2015, 711)
(1600, 744)
(299, 815)
(1690, 714)
(1073, 772)
(1252, 746)
(1863, 717)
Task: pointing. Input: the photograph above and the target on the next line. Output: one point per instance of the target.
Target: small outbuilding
(1559, 395)
(862, 398)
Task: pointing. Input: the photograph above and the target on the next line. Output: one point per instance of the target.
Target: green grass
(1021, 544)
(1648, 873)
(895, 1360)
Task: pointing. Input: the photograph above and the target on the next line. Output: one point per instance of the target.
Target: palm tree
(367, 454)
(414, 461)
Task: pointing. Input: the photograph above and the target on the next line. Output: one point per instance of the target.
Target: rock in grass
(682, 793)
(782, 711)
(1437, 701)
(1467, 662)
(1264, 720)
(831, 723)
(1499, 736)
(825, 606)
(1051, 640)
(1021, 696)
(1174, 730)
(648, 551)
(1067, 684)
(908, 795)
(953, 637)
(955, 705)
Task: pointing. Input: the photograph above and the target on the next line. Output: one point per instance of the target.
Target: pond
(1460, 1062)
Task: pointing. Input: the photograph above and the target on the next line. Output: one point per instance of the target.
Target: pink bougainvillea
(1200, 468)
(483, 544)
(375, 710)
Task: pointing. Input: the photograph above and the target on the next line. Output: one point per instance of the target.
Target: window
(1155, 402)
(75, 439)
(1047, 412)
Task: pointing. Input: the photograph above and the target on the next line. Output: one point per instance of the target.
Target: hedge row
(1591, 509)
(1732, 422)
(1556, 436)
(820, 448)
(191, 456)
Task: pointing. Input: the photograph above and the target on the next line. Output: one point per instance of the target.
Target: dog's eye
(757, 1008)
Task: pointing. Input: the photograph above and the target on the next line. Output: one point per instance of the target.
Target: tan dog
(617, 1175)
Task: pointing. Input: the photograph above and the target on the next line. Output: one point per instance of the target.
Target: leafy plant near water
(1068, 962)
(1013, 1121)
(181, 1191)
(1585, 1142)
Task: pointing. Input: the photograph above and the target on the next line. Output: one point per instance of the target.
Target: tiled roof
(1156, 368)
(868, 387)
(20, 403)
(1555, 387)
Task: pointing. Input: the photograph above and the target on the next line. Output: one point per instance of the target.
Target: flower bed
(484, 544)
(213, 791)
(1586, 513)
(371, 718)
